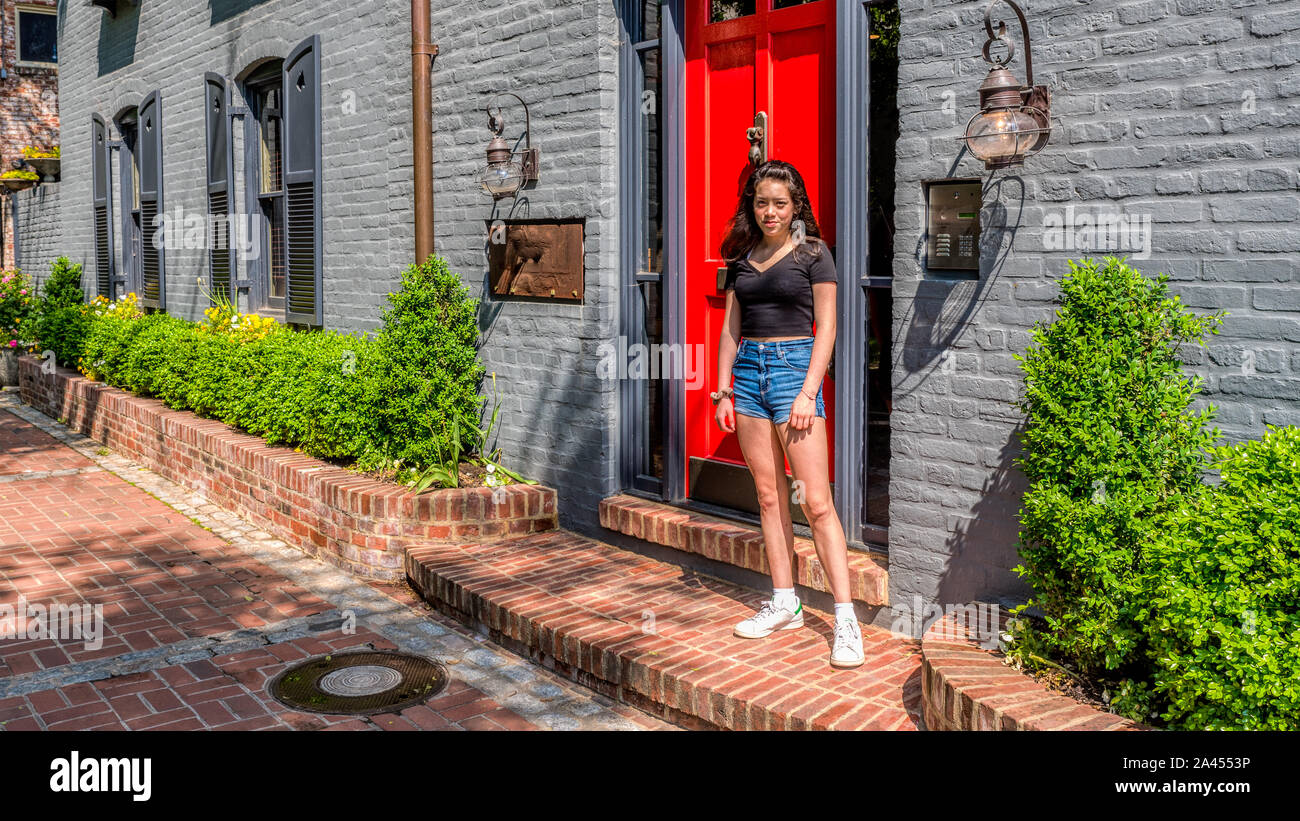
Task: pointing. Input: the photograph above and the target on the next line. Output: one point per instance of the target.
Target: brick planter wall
(353, 522)
(966, 687)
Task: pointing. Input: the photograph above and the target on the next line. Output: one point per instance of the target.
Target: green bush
(1110, 451)
(1223, 617)
(427, 363)
(63, 287)
(18, 306)
(369, 402)
(60, 322)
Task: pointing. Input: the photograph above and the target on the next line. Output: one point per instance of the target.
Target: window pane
(652, 239)
(730, 10)
(785, 4)
(274, 211)
(37, 37)
(272, 142)
(879, 403)
(649, 19)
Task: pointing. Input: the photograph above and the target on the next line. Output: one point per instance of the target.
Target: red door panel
(782, 62)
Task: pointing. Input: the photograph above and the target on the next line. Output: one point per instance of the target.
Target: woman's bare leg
(806, 449)
(766, 460)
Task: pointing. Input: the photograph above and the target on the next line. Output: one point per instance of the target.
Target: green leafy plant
(404, 403)
(428, 348)
(1222, 620)
(61, 321)
(31, 152)
(1111, 451)
(18, 308)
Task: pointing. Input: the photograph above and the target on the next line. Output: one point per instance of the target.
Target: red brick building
(29, 89)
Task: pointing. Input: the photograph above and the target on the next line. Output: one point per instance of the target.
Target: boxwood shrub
(1223, 617)
(365, 401)
(60, 322)
(1110, 450)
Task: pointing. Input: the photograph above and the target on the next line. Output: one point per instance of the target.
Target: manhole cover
(359, 683)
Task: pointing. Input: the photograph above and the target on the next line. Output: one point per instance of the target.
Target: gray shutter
(221, 202)
(302, 178)
(100, 199)
(153, 278)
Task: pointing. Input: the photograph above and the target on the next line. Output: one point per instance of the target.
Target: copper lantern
(1014, 121)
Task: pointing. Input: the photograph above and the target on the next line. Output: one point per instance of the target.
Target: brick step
(737, 544)
(659, 638)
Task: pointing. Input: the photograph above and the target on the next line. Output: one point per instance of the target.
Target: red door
(775, 56)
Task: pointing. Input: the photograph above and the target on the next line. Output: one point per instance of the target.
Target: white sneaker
(847, 650)
(768, 620)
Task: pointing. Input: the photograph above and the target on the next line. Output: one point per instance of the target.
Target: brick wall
(109, 65)
(29, 105)
(557, 419)
(341, 517)
(39, 230)
(1180, 111)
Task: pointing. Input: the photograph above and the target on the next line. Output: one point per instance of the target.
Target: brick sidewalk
(195, 624)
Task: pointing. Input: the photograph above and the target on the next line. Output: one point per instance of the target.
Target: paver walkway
(200, 610)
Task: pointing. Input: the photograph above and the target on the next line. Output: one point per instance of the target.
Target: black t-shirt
(779, 301)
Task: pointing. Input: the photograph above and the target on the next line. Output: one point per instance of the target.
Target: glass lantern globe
(501, 179)
(1003, 136)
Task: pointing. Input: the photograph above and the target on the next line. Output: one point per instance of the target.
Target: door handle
(757, 136)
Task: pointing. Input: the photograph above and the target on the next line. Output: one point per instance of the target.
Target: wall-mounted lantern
(1014, 121)
(504, 176)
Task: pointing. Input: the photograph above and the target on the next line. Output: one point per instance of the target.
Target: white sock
(844, 611)
(785, 598)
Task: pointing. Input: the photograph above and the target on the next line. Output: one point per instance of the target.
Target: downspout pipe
(422, 54)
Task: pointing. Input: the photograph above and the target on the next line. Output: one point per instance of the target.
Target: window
(265, 95)
(37, 32)
(280, 181)
(642, 203)
(129, 167)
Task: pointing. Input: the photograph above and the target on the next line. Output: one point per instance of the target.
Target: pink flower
(23, 292)
(13, 343)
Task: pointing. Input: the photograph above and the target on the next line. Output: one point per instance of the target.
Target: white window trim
(19, 8)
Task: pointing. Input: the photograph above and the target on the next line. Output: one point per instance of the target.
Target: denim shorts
(769, 376)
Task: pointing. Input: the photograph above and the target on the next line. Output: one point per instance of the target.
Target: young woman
(780, 277)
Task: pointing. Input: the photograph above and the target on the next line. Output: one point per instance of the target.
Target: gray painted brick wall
(39, 229)
(1183, 111)
(558, 421)
(109, 65)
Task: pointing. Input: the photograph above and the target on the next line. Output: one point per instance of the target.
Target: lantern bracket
(496, 123)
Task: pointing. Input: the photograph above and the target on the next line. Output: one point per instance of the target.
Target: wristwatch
(716, 396)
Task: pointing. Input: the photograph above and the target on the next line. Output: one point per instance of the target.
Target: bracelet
(805, 393)
(716, 396)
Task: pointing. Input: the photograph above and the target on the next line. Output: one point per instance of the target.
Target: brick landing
(659, 637)
(737, 544)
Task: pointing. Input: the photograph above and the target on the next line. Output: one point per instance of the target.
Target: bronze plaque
(536, 259)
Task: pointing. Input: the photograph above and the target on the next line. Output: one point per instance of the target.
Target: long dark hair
(743, 233)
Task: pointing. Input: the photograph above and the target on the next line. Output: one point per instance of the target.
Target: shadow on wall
(223, 10)
(566, 446)
(982, 550)
(935, 323)
(117, 36)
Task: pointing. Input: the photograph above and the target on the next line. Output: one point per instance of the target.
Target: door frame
(852, 89)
